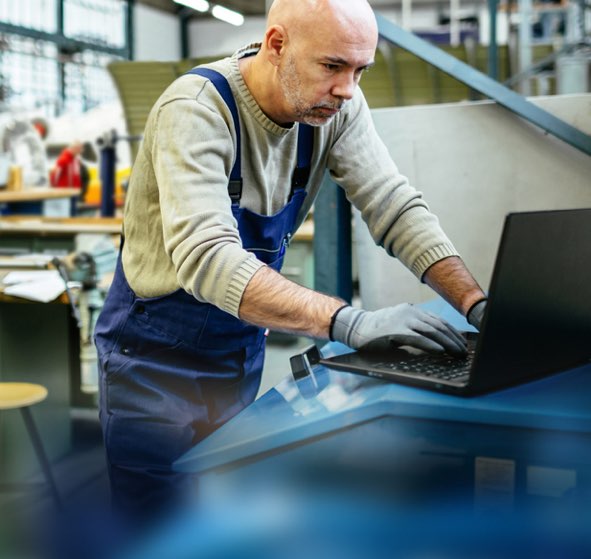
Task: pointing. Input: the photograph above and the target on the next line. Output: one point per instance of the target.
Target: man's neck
(259, 77)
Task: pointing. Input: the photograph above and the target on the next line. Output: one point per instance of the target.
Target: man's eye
(331, 67)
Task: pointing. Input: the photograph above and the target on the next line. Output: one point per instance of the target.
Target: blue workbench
(338, 465)
(296, 411)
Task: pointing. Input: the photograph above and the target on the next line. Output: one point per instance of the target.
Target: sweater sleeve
(397, 216)
(192, 153)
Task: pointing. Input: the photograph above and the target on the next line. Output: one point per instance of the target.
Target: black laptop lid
(538, 318)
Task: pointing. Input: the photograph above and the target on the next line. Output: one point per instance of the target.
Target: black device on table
(537, 321)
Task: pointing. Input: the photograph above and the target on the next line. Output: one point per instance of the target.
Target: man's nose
(345, 86)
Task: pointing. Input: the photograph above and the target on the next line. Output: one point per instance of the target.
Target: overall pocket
(272, 256)
(152, 349)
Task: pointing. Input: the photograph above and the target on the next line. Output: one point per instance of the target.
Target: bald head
(311, 58)
(353, 18)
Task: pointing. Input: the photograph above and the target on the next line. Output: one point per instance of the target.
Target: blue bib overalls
(173, 369)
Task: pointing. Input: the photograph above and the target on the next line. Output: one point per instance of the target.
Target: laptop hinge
(302, 364)
(302, 369)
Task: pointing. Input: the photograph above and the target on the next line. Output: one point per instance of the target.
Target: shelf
(33, 194)
(57, 226)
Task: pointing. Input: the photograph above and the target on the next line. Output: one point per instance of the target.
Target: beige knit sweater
(179, 228)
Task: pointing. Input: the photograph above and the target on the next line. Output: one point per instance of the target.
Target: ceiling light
(199, 5)
(229, 16)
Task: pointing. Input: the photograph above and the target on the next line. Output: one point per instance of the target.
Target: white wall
(502, 27)
(425, 17)
(474, 162)
(216, 38)
(156, 34)
(421, 17)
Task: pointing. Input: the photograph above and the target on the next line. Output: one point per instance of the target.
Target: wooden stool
(22, 395)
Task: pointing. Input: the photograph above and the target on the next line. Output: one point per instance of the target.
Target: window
(54, 53)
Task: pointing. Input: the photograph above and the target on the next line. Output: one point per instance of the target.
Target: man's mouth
(328, 111)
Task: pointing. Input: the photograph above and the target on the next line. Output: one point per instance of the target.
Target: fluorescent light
(199, 5)
(229, 16)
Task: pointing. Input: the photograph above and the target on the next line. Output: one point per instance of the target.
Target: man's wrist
(482, 299)
(333, 319)
(470, 300)
(476, 313)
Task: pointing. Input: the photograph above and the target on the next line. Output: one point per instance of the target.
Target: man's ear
(275, 42)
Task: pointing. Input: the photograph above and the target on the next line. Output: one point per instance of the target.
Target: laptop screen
(538, 318)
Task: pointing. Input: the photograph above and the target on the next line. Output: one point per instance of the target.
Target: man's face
(317, 78)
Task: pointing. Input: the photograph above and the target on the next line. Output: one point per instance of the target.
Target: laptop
(537, 321)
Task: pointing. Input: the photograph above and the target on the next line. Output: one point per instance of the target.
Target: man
(207, 219)
(67, 172)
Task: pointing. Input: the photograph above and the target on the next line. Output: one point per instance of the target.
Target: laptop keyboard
(438, 367)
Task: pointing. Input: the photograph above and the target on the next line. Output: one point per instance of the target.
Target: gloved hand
(395, 326)
(476, 313)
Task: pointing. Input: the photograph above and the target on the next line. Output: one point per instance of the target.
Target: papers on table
(26, 260)
(37, 285)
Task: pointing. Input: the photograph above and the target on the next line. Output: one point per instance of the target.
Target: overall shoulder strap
(223, 88)
(301, 173)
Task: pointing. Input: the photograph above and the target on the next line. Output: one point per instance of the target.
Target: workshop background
(89, 70)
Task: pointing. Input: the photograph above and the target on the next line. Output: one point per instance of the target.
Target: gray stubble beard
(292, 87)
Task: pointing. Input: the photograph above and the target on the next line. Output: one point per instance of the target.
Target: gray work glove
(476, 313)
(395, 326)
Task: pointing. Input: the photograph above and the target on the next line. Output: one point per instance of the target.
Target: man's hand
(396, 326)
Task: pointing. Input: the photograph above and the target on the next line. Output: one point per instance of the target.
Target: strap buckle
(300, 177)
(235, 189)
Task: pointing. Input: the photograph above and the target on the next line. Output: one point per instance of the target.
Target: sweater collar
(246, 96)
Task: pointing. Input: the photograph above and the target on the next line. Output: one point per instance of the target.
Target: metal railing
(484, 84)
